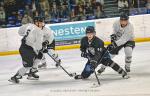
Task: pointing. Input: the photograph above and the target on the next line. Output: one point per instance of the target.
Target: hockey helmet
(90, 29)
(124, 16)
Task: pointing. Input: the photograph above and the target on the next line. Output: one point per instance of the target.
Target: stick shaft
(60, 66)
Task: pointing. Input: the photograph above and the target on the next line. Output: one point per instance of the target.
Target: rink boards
(68, 35)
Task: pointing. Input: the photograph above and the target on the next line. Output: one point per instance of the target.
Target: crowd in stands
(17, 12)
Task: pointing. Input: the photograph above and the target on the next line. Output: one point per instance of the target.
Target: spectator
(131, 3)
(148, 6)
(80, 15)
(80, 3)
(57, 2)
(64, 12)
(19, 19)
(20, 5)
(99, 12)
(134, 3)
(123, 6)
(26, 19)
(142, 3)
(72, 15)
(88, 9)
(72, 4)
(2, 3)
(65, 3)
(101, 2)
(47, 16)
(28, 10)
(2, 16)
(33, 6)
(93, 4)
(54, 11)
(28, 2)
(44, 5)
(35, 13)
(10, 7)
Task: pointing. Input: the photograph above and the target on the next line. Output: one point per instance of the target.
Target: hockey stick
(70, 74)
(98, 81)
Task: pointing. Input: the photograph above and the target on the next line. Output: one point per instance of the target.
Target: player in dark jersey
(93, 49)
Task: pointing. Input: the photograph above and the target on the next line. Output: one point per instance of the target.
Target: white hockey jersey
(34, 36)
(123, 34)
(48, 35)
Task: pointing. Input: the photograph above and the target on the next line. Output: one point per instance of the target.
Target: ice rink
(55, 82)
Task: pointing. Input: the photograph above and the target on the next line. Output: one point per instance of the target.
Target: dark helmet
(38, 19)
(124, 16)
(90, 29)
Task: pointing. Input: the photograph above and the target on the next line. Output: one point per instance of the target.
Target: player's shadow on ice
(111, 78)
(51, 69)
(48, 84)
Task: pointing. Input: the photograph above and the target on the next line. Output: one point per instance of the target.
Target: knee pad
(36, 63)
(40, 55)
(33, 70)
(43, 60)
(116, 67)
(23, 70)
(25, 64)
(128, 59)
(107, 61)
(53, 54)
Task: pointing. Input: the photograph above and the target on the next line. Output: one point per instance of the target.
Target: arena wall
(68, 35)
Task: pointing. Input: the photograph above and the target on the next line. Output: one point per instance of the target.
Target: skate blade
(30, 78)
(95, 85)
(99, 74)
(43, 68)
(40, 67)
(12, 81)
(126, 77)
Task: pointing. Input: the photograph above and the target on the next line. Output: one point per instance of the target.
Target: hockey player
(48, 47)
(31, 48)
(122, 37)
(93, 49)
(48, 35)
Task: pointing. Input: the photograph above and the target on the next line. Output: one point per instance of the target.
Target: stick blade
(95, 85)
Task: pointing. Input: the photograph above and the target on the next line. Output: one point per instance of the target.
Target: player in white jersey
(30, 49)
(48, 34)
(122, 37)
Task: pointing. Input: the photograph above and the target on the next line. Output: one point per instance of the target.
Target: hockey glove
(58, 62)
(51, 46)
(84, 54)
(112, 46)
(45, 50)
(40, 55)
(113, 37)
(93, 63)
(45, 43)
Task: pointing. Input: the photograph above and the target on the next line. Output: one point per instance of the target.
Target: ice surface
(55, 82)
